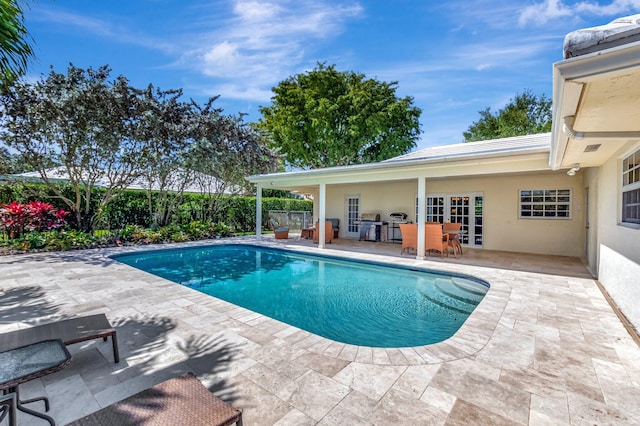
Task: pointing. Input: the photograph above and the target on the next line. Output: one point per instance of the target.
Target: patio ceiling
(596, 99)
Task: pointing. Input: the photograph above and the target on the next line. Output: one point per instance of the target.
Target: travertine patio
(543, 348)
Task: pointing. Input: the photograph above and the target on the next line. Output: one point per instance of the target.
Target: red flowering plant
(17, 218)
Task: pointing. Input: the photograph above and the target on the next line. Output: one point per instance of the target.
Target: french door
(466, 209)
(352, 215)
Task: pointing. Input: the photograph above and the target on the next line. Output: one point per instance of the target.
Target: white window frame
(550, 203)
(630, 183)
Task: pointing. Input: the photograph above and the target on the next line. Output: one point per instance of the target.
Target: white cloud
(263, 42)
(101, 27)
(550, 10)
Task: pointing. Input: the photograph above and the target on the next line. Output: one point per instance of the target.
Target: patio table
(307, 233)
(30, 362)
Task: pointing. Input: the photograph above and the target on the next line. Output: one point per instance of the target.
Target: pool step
(460, 290)
(449, 303)
(455, 295)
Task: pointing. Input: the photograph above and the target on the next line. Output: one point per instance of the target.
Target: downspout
(567, 128)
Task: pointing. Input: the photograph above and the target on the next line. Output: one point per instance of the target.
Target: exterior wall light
(572, 171)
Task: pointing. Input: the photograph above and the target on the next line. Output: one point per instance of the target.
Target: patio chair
(280, 232)
(453, 230)
(70, 331)
(179, 401)
(409, 234)
(335, 224)
(328, 232)
(435, 239)
(8, 406)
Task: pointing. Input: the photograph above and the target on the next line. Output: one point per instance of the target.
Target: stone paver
(543, 347)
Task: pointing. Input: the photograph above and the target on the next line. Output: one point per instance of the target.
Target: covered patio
(543, 347)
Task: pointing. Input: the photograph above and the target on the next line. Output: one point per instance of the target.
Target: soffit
(610, 105)
(600, 93)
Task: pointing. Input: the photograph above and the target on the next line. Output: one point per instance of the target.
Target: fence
(296, 220)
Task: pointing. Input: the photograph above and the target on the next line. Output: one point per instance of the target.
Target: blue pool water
(351, 302)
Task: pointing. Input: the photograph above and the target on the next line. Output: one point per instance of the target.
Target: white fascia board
(566, 96)
(594, 66)
(531, 160)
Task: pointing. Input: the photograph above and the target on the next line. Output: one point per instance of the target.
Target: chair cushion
(176, 402)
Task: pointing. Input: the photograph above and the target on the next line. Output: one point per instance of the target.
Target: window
(435, 209)
(631, 188)
(545, 204)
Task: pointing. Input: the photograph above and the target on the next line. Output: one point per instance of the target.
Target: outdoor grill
(395, 219)
(370, 227)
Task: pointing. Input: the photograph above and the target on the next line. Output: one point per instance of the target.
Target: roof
(493, 146)
(449, 160)
(616, 33)
(199, 183)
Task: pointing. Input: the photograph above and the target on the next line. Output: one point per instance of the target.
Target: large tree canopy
(106, 133)
(15, 49)
(525, 114)
(326, 118)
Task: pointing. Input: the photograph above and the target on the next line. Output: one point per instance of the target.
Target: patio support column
(422, 216)
(258, 212)
(322, 215)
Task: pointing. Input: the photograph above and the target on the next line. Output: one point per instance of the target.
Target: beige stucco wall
(503, 230)
(618, 246)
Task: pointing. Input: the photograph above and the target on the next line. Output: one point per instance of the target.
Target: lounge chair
(328, 232)
(280, 232)
(70, 331)
(179, 401)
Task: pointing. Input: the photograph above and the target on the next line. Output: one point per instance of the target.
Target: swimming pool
(359, 303)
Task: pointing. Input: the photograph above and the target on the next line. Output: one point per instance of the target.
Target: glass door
(352, 214)
(435, 209)
(466, 209)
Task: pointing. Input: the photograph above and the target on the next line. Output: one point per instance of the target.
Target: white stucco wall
(503, 230)
(618, 245)
(591, 179)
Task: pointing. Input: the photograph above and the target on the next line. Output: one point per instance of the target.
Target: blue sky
(454, 58)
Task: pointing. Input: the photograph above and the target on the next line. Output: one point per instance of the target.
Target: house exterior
(502, 191)
(572, 192)
(596, 126)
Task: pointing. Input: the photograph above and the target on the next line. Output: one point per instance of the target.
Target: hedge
(131, 207)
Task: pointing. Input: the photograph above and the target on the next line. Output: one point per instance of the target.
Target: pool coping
(471, 338)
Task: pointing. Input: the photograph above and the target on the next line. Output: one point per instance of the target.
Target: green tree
(165, 127)
(11, 163)
(525, 114)
(95, 133)
(326, 118)
(79, 127)
(225, 150)
(15, 49)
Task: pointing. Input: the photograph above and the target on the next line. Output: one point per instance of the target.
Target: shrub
(17, 218)
(220, 230)
(130, 233)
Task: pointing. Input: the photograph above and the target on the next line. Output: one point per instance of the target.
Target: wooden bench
(179, 401)
(70, 331)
